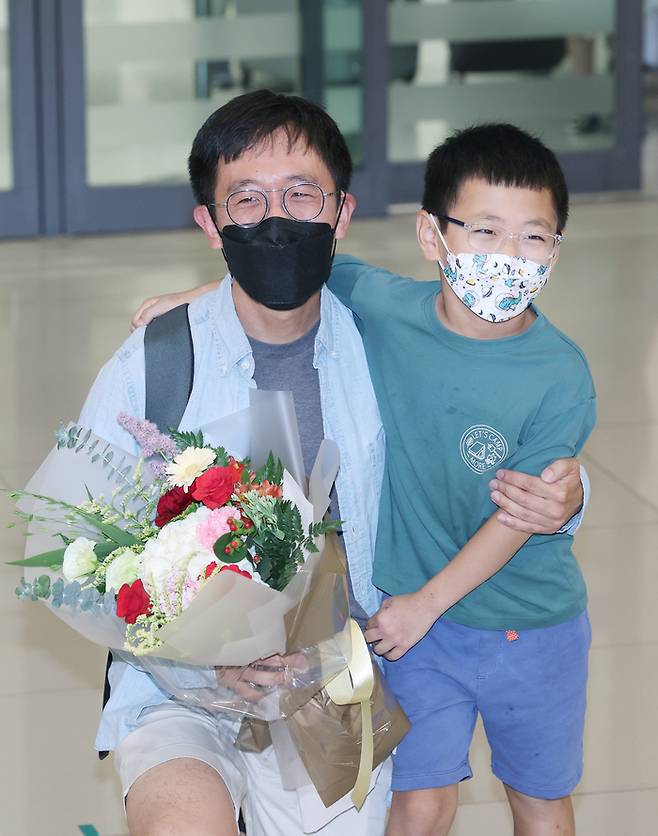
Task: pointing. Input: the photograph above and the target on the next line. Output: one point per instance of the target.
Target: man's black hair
(253, 118)
(500, 154)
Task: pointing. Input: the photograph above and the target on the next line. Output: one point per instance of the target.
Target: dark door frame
(19, 206)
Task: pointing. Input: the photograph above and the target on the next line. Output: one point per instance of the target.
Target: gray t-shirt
(289, 367)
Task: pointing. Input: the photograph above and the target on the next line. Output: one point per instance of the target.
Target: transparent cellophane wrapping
(298, 636)
(232, 621)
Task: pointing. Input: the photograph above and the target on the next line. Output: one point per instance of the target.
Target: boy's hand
(155, 306)
(538, 504)
(399, 624)
(158, 305)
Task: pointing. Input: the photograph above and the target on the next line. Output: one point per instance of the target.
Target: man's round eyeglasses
(249, 207)
(485, 237)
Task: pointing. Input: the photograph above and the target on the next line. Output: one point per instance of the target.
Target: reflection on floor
(65, 305)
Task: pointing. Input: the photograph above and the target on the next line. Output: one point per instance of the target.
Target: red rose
(215, 487)
(133, 600)
(171, 504)
(233, 568)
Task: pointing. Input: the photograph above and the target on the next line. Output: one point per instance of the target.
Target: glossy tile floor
(64, 307)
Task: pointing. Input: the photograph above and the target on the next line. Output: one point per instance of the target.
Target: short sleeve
(562, 435)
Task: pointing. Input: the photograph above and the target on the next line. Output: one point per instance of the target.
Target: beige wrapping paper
(327, 737)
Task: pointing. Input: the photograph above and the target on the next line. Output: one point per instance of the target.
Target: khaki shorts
(170, 731)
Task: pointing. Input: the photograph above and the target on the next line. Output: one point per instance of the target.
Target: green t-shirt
(454, 410)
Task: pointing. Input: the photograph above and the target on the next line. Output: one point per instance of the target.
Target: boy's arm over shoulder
(119, 387)
(362, 287)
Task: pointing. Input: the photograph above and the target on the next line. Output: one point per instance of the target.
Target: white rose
(79, 559)
(188, 465)
(166, 559)
(123, 569)
(157, 566)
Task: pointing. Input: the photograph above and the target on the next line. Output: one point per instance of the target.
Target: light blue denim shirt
(223, 374)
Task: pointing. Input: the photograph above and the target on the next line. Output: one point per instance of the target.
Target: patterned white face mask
(494, 286)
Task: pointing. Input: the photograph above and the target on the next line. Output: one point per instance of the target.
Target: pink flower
(159, 469)
(190, 589)
(148, 436)
(168, 598)
(214, 525)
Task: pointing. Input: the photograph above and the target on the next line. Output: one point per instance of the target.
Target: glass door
(568, 72)
(140, 78)
(19, 211)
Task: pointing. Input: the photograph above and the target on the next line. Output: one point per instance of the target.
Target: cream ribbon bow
(354, 685)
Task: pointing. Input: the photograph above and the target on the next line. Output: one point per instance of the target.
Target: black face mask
(281, 262)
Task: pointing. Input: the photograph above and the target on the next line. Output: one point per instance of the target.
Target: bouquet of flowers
(205, 513)
(189, 553)
(192, 562)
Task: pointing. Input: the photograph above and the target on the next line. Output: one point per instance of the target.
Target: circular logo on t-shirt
(483, 448)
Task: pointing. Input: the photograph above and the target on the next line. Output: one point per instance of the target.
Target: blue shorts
(529, 687)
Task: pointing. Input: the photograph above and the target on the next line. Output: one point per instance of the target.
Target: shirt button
(244, 365)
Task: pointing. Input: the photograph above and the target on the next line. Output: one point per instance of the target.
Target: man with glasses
(271, 175)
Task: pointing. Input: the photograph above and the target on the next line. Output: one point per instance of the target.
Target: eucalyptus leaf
(41, 586)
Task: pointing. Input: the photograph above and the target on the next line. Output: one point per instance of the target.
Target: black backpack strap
(169, 375)
(168, 367)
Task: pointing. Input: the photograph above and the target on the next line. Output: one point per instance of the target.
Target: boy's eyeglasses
(485, 237)
(249, 207)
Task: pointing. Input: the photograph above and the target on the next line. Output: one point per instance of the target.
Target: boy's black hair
(251, 119)
(500, 154)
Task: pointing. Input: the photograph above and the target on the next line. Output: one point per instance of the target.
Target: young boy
(481, 618)
(470, 377)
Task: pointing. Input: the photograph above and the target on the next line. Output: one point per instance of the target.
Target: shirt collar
(230, 337)
(233, 343)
